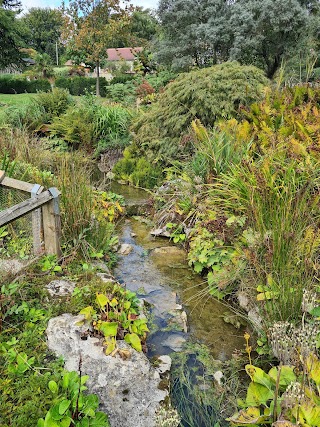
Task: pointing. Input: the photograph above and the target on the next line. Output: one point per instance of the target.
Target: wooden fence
(44, 205)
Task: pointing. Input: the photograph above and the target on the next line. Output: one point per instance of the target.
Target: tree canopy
(43, 29)
(10, 33)
(259, 32)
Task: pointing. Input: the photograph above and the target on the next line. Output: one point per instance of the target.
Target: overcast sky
(27, 4)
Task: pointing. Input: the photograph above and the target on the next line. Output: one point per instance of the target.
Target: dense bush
(81, 85)
(12, 84)
(137, 171)
(208, 95)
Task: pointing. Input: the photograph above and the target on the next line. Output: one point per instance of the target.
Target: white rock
(60, 288)
(164, 364)
(175, 342)
(105, 277)
(160, 232)
(128, 389)
(218, 376)
(125, 249)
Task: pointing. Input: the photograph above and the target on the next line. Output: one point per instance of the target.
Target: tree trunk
(98, 78)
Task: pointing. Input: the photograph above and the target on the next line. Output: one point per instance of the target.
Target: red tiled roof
(123, 53)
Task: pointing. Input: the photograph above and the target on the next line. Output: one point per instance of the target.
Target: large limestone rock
(128, 389)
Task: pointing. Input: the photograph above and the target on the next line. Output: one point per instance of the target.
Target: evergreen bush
(208, 94)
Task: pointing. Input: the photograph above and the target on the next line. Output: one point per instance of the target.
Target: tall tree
(266, 31)
(194, 32)
(44, 28)
(10, 33)
(93, 26)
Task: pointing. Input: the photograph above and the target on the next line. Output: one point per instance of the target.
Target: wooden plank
(17, 185)
(52, 224)
(2, 175)
(21, 209)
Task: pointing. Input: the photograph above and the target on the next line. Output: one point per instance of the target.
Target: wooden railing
(44, 205)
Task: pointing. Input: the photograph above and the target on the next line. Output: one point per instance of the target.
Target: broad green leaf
(40, 423)
(65, 380)
(84, 422)
(88, 312)
(258, 394)
(109, 329)
(198, 267)
(55, 413)
(258, 375)
(84, 379)
(102, 300)
(65, 422)
(63, 406)
(134, 341)
(53, 387)
(315, 312)
(287, 375)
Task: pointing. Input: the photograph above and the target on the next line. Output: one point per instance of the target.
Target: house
(123, 55)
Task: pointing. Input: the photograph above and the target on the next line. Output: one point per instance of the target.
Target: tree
(10, 33)
(43, 29)
(266, 31)
(193, 32)
(93, 26)
(43, 64)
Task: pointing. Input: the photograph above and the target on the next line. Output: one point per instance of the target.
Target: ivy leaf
(53, 387)
(134, 341)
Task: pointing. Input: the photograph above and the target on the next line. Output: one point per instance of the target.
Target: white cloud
(27, 4)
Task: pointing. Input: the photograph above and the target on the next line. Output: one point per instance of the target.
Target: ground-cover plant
(71, 407)
(117, 316)
(289, 392)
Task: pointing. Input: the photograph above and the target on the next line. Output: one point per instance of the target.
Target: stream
(181, 308)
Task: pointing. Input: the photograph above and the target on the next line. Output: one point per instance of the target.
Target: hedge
(81, 85)
(11, 85)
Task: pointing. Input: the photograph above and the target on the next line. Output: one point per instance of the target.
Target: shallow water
(163, 279)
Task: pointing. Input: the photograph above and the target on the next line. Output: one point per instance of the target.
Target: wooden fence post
(52, 224)
(37, 232)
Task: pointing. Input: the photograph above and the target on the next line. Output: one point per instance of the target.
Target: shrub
(81, 85)
(120, 92)
(55, 102)
(10, 84)
(207, 94)
(139, 172)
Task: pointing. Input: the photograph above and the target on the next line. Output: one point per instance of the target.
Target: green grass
(17, 99)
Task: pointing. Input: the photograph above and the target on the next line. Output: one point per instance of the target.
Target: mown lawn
(15, 99)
